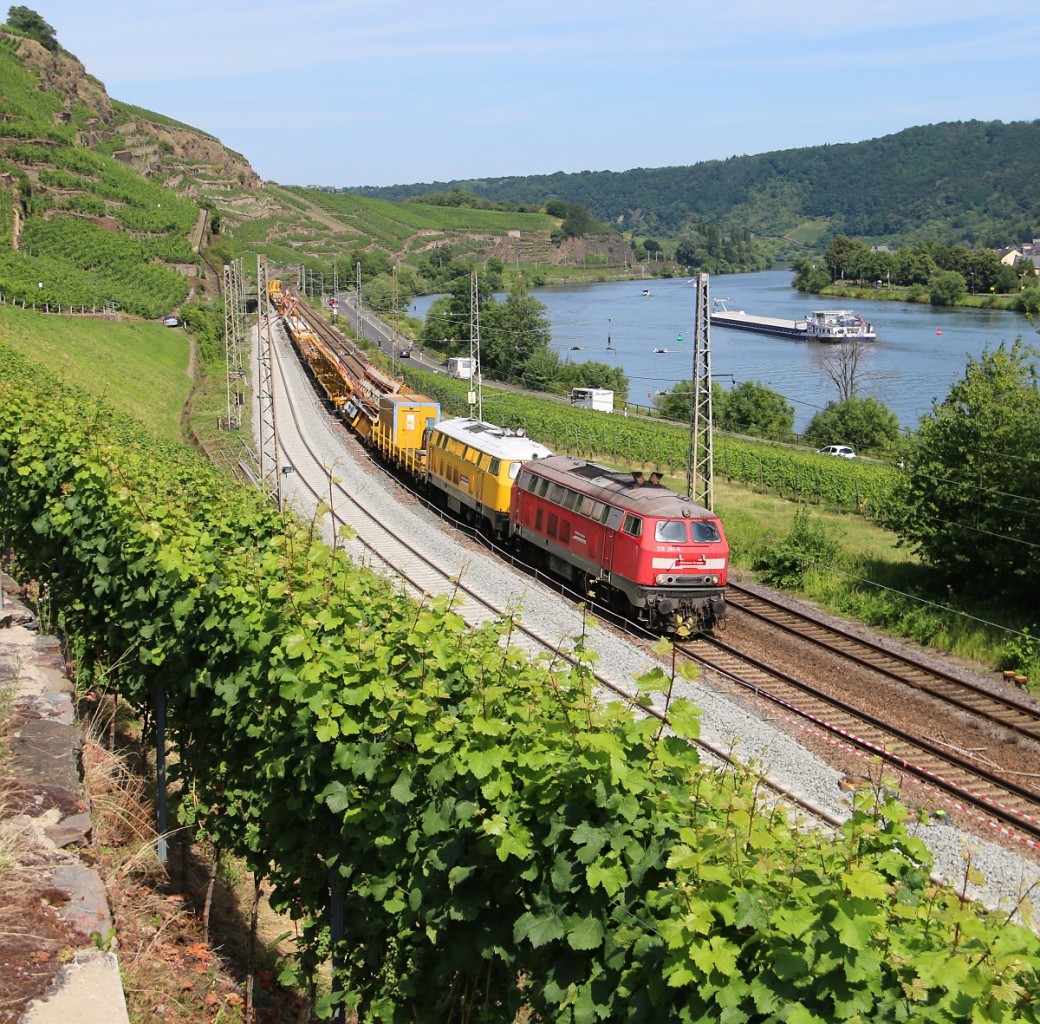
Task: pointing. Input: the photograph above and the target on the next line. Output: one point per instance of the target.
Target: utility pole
(270, 478)
(700, 463)
(475, 398)
(357, 302)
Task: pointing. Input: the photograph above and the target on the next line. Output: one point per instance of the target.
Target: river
(919, 352)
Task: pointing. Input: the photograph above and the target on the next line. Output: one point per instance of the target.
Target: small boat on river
(831, 325)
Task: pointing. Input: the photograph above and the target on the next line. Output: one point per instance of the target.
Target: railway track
(997, 793)
(426, 573)
(1003, 711)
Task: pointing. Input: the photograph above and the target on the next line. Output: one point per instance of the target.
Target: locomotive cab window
(633, 525)
(494, 465)
(514, 468)
(705, 532)
(671, 531)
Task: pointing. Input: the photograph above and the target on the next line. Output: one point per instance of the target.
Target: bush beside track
(488, 836)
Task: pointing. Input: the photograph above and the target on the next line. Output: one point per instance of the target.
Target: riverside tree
(512, 333)
(946, 288)
(970, 504)
(750, 408)
(860, 422)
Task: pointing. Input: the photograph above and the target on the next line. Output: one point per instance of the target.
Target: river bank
(917, 296)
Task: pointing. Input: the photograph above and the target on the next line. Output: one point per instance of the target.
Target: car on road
(843, 451)
(170, 321)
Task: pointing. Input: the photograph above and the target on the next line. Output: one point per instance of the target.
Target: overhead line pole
(357, 304)
(700, 463)
(232, 343)
(476, 394)
(270, 478)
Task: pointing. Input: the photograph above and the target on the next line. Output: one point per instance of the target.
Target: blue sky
(382, 92)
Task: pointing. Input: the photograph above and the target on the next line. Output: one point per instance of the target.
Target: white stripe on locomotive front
(679, 560)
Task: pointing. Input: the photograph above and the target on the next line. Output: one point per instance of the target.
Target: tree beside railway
(970, 498)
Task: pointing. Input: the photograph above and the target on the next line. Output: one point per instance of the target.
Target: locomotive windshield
(705, 532)
(673, 531)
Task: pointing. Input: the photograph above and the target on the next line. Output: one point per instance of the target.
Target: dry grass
(174, 968)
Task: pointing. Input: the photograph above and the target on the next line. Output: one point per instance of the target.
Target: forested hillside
(971, 182)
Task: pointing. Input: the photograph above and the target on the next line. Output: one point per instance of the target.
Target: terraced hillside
(89, 222)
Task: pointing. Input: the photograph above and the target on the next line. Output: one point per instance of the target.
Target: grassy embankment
(141, 369)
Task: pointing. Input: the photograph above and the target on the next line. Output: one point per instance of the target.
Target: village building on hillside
(1030, 253)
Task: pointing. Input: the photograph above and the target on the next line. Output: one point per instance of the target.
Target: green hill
(970, 182)
(110, 204)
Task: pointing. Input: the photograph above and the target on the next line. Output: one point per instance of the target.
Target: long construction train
(661, 558)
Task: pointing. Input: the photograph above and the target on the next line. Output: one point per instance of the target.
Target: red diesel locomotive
(663, 556)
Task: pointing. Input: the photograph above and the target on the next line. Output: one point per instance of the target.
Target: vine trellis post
(159, 694)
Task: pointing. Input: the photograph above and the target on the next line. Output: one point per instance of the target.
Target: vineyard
(394, 223)
(465, 833)
(94, 232)
(857, 486)
(71, 261)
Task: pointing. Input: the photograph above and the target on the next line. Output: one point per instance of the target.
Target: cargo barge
(835, 325)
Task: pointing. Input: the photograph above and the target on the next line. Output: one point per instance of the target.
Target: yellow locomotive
(475, 465)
